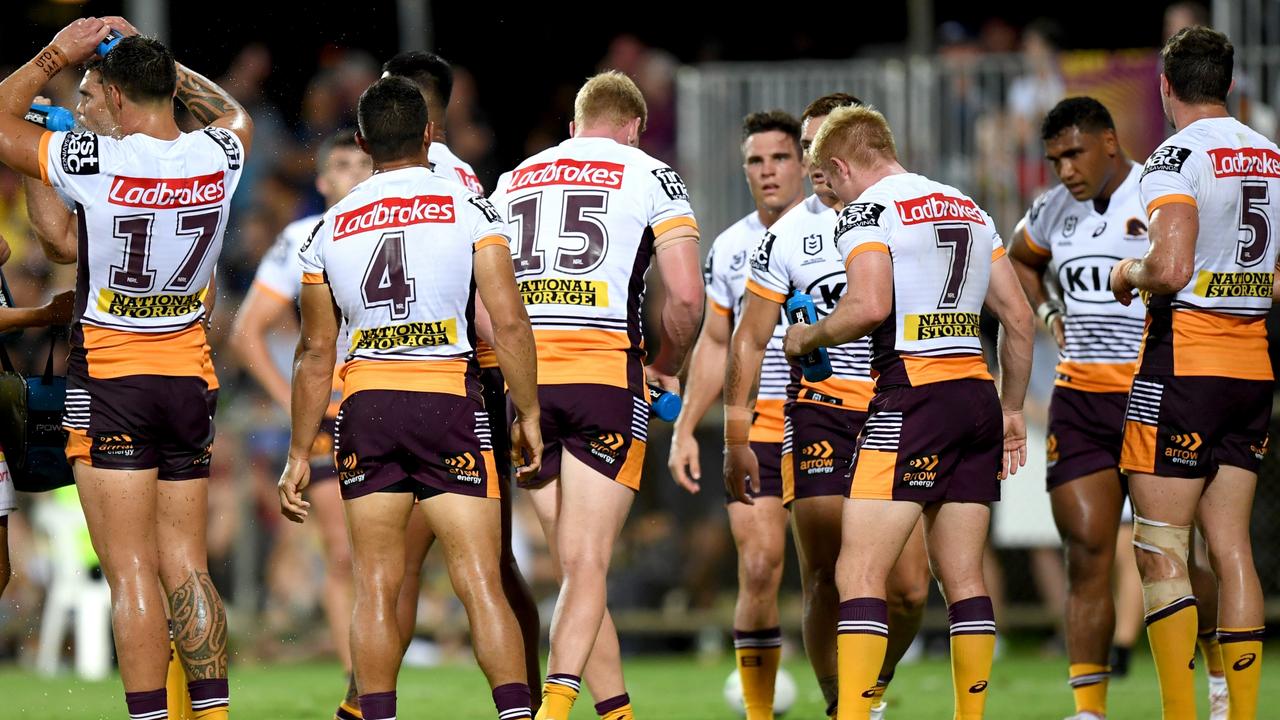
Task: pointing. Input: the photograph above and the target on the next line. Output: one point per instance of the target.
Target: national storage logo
(563, 291)
(932, 326)
(143, 307)
(1233, 284)
(407, 335)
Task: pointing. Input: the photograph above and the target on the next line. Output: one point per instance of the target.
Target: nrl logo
(812, 244)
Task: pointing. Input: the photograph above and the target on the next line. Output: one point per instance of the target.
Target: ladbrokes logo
(1183, 449)
(608, 447)
(463, 467)
(114, 445)
(1233, 284)
(923, 473)
(818, 458)
(558, 291)
(937, 208)
(407, 335)
(585, 173)
(931, 326)
(166, 193)
(394, 212)
(143, 307)
(1245, 162)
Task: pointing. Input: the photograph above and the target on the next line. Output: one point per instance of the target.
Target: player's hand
(120, 25)
(1015, 443)
(79, 40)
(58, 310)
(294, 479)
(683, 462)
(799, 340)
(654, 376)
(526, 446)
(740, 468)
(1058, 329)
(1120, 285)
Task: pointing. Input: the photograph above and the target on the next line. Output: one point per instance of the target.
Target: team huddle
(453, 344)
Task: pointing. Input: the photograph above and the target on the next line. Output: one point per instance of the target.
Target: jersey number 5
(1253, 223)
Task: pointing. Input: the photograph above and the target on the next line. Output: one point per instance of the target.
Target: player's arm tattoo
(203, 98)
(199, 627)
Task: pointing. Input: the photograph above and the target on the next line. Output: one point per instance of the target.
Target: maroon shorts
(1187, 427)
(769, 458)
(940, 442)
(323, 467)
(494, 390)
(141, 422)
(605, 427)
(1086, 431)
(420, 442)
(818, 445)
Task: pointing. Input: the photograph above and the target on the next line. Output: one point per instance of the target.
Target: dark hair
(345, 138)
(1198, 62)
(393, 118)
(1083, 113)
(142, 67)
(825, 104)
(766, 121)
(430, 72)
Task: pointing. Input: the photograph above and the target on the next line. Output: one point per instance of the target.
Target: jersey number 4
(386, 281)
(134, 273)
(580, 219)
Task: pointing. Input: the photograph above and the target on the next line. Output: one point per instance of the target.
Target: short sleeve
(1036, 225)
(311, 254)
(718, 291)
(280, 273)
(1168, 177)
(769, 277)
(76, 163)
(484, 224)
(668, 202)
(997, 242)
(861, 228)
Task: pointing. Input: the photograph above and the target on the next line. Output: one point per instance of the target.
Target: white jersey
(584, 215)
(1215, 325)
(1102, 336)
(447, 165)
(152, 214)
(280, 272)
(726, 273)
(397, 255)
(942, 246)
(799, 253)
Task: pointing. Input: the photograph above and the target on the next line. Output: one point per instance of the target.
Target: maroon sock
(149, 705)
(378, 706)
(514, 701)
(208, 694)
(613, 703)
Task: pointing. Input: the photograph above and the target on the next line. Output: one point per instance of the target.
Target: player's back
(942, 246)
(152, 216)
(397, 255)
(584, 216)
(1215, 325)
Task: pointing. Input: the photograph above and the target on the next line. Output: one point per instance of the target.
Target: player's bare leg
(120, 509)
(906, 592)
(760, 534)
(470, 529)
(1205, 585)
(199, 618)
(1128, 592)
(1224, 513)
(326, 503)
(956, 534)
(520, 598)
(587, 511)
(1164, 510)
(1087, 513)
(376, 523)
(817, 520)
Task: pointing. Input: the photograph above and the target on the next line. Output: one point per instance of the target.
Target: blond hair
(858, 135)
(609, 97)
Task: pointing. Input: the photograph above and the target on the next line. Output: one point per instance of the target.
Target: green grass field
(1023, 687)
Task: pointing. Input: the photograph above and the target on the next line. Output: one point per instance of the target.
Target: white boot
(1217, 697)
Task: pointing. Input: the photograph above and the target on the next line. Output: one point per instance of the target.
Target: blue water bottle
(109, 42)
(665, 405)
(50, 117)
(816, 366)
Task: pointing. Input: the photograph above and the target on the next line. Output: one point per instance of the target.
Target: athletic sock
(209, 699)
(862, 636)
(1171, 631)
(758, 652)
(1088, 683)
(175, 685)
(1212, 651)
(973, 645)
(379, 706)
(1242, 660)
(513, 701)
(617, 707)
(148, 705)
(558, 694)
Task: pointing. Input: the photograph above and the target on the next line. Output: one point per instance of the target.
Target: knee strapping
(1173, 543)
